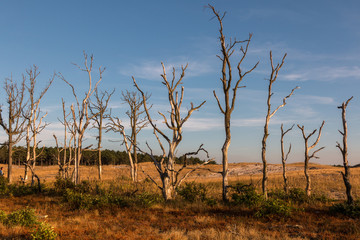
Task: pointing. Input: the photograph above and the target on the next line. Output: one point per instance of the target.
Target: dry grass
(189, 221)
(239, 172)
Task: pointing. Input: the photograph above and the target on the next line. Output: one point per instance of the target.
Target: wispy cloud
(325, 74)
(311, 99)
(152, 70)
(205, 124)
(268, 13)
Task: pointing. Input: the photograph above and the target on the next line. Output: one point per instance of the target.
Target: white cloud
(152, 70)
(325, 74)
(311, 99)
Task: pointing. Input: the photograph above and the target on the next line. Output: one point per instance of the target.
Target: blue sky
(131, 38)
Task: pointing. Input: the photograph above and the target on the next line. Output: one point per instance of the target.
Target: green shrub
(2, 216)
(294, 195)
(84, 187)
(211, 202)
(350, 210)
(17, 190)
(43, 231)
(23, 217)
(272, 207)
(63, 183)
(77, 200)
(146, 199)
(192, 192)
(298, 195)
(23, 190)
(246, 195)
(4, 183)
(117, 200)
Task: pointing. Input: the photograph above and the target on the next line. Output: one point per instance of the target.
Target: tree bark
(227, 49)
(284, 157)
(344, 151)
(308, 156)
(10, 161)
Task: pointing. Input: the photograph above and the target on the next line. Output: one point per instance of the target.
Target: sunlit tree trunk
(344, 151)
(308, 156)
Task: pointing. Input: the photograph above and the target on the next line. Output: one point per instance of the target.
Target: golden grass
(326, 180)
(192, 221)
(230, 232)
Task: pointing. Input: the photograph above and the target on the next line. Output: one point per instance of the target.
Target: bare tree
(67, 149)
(80, 118)
(273, 76)
(34, 121)
(15, 127)
(166, 166)
(283, 156)
(344, 151)
(227, 50)
(308, 156)
(98, 109)
(137, 122)
(115, 125)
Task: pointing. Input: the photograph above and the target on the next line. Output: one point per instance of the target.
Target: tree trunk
(346, 178)
(283, 160)
(167, 188)
(77, 161)
(225, 163)
(135, 159)
(99, 149)
(10, 152)
(171, 162)
(263, 157)
(307, 176)
(344, 151)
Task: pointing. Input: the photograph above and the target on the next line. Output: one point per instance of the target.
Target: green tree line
(109, 157)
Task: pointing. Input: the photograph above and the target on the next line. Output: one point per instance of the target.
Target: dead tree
(98, 109)
(166, 167)
(161, 164)
(137, 122)
(34, 121)
(116, 126)
(344, 151)
(227, 50)
(308, 157)
(283, 156)
(66, 159)
(34, 175)
(273, 76)
(80, 118)
(15, 127)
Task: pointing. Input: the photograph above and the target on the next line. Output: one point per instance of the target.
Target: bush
(23, 217)
(350, 210)
(16, 190)
(2, 216)
(246, 195)
(297, 195)
(43, 231)
(77, 200)
(118, 200)
(148, 199)
(192, 192)
(84, 187)
(4, 183)
(294, 195)
(63, 183)
(272, 207)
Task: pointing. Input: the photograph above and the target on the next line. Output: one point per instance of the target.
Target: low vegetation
(117, 208)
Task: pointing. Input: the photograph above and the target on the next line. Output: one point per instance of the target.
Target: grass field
(150, 218)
